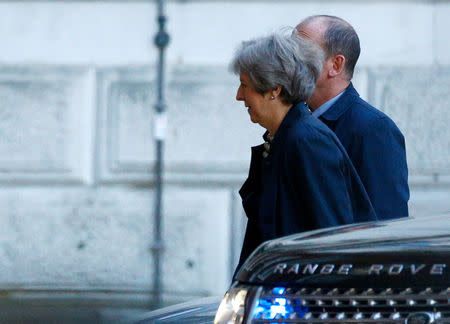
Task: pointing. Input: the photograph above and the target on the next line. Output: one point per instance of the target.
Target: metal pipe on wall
(159, 127)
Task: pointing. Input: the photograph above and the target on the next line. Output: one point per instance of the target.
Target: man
(373, 142)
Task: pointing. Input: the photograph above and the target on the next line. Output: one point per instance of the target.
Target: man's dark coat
(377, 149)
(307, 182)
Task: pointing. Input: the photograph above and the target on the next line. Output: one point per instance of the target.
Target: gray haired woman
(301, 178)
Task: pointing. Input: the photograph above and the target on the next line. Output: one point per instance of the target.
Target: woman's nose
(239, 96)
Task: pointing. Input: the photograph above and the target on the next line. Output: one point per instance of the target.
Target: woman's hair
(289, 61)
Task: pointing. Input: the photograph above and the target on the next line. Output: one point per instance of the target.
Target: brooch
(269, 139)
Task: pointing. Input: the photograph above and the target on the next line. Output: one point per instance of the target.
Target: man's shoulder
(361, 109)
(362, 116)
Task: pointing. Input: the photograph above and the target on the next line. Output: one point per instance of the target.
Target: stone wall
(77, 91)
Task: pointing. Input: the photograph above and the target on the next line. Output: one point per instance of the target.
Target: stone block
(197, 232)
(119, 32)
(428, 202)
(388, 35)
(417, 99)
(45, 123)
(75, 238)
(78, 32)
(441, 35)
(96, 239)
(126, 148)
(361, 82)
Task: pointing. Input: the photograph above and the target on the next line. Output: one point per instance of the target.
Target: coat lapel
(330, 116)
(271, 167)
(251, 189)
(259, 192)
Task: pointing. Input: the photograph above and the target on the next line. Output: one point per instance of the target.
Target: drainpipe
(159, 127)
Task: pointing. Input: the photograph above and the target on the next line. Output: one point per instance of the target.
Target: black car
(381, 272)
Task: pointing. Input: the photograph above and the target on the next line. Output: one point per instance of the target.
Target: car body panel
(200, 311)
(383, 253)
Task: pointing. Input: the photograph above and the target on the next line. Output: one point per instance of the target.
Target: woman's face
(256, 103)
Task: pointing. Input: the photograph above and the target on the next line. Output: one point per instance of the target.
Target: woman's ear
(275, 93)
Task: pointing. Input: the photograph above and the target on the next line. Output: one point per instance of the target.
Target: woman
(301, 178)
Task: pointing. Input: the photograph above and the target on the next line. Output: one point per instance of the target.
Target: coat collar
(297, 112)
(342, 104)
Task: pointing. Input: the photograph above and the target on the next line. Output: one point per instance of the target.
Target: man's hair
(339, 38)
(290, 61)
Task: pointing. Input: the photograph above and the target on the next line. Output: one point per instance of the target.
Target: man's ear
(338, 66)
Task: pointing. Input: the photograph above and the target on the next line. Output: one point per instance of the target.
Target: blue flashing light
(301, 311)
(280, 301)
(259, 310)
(272, 309)
(277, 310)
(278, 290)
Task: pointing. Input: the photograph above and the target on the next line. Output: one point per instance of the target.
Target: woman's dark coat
(307, 182)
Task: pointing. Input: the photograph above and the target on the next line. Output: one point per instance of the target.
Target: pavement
(73, 307)
(67, 314)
